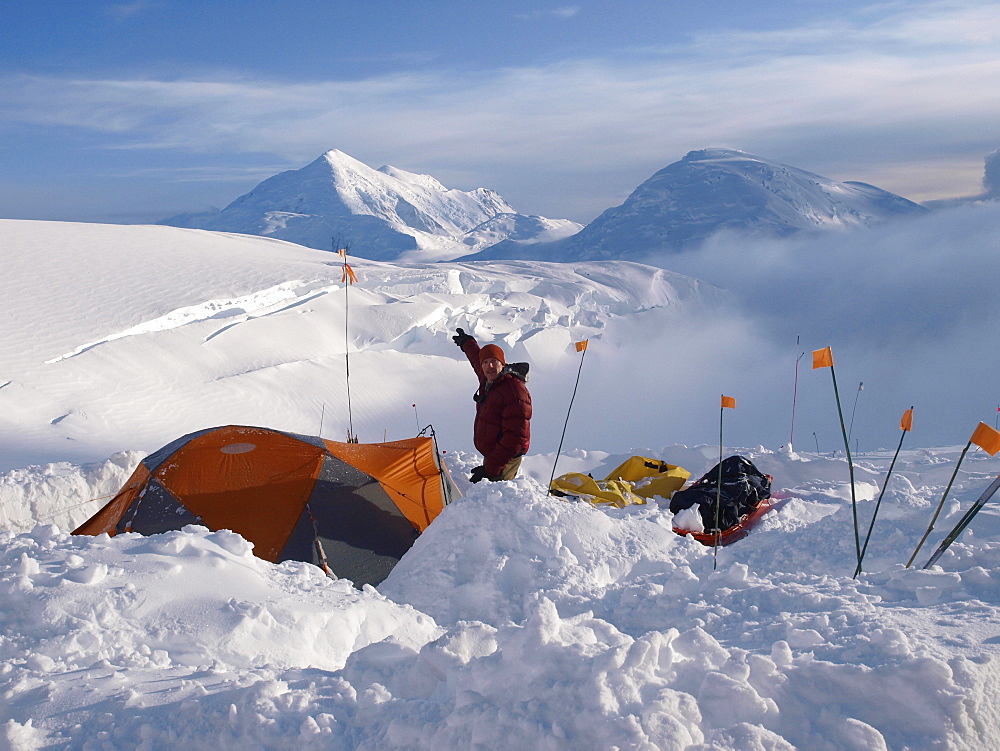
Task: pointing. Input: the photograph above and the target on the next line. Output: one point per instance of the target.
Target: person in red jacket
(503, 410)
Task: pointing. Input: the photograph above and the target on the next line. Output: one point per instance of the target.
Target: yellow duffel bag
(650, 477)
(585, 487)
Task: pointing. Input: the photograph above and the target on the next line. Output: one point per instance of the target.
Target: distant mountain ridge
(383, 214)
(390, 214)
(713, 190)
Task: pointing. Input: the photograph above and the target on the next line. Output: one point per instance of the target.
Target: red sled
(736, 532)
(733, 495)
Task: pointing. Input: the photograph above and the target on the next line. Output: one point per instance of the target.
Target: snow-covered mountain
(383, 214)
(713, 190)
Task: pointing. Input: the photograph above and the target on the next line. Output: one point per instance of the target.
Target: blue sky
(133, 111)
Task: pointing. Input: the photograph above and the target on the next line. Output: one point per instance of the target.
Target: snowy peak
(383, 214)
(799, 198)
(407, 199)
(711, 190)
(717, 189)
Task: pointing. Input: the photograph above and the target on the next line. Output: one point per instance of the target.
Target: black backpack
(743, 488)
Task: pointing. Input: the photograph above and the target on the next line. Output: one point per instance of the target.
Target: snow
(715, 190)
(385, 213)
(517, 619)
(241, 330)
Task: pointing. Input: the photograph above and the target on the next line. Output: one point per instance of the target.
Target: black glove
(478, 473)
(460, 339)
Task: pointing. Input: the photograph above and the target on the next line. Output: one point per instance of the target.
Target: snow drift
(522, 618)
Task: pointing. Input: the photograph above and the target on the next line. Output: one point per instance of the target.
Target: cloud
(928, 27)
(907, 281)
(991, 177)
(124, 11)
(850, 86)
(563, 11)
(909, 307)
(205, 173)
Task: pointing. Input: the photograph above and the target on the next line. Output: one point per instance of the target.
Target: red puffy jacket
(503, 414)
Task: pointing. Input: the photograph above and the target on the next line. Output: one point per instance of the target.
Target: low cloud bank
(911, 310)
(991, 178)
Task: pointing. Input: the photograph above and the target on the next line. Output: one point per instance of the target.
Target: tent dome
(352, 508)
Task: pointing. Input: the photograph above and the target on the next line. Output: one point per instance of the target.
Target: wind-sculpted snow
(61, 493)
(266, 301)
(519, 618)
(138, 600)
(168, 329)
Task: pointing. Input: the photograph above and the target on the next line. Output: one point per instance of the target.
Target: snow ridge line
(249, 306)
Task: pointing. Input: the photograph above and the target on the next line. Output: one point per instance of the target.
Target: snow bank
(191, 597)
(523, 619)
(61, 493)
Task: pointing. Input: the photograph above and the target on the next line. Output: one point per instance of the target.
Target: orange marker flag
(729, 401)
(348, 274)
(581, 346)
(907, 422)
(986, 438)
(822, 358)
(342, 252)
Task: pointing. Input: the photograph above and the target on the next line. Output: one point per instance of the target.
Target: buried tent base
(351, 509)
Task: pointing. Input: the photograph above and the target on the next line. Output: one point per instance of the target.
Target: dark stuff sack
(743, 488)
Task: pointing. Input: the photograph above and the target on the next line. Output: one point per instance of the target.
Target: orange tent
(352, 508)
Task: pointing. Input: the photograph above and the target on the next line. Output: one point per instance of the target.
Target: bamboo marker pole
(580, 347)
(823, 358)
(987, 439)
(795, 394)
(930, 527)
(730, 403)
(850, 431)
(905, 425)
(347, 278)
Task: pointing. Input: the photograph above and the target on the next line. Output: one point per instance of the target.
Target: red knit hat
(491, 350)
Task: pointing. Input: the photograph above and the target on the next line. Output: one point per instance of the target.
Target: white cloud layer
(910, 308)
